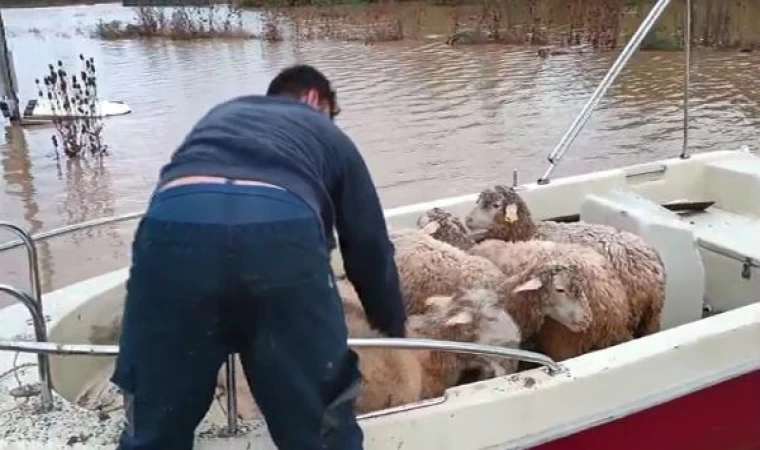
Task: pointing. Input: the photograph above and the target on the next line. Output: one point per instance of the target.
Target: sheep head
(501, 213)
(476, 315)
(562, 294)
(445, 227)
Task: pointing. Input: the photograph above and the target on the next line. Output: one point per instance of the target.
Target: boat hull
(725, 416)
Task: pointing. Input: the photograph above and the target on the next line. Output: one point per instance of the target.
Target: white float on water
(42, 110)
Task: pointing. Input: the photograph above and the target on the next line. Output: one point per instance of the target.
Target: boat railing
(40, 334)
(622, 60)
(43, 349)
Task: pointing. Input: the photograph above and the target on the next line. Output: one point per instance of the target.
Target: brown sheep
(502, 214)
(391, 377)
(428, 267)
(566, 297)
(394, 377)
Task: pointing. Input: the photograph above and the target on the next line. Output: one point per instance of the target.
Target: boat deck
(729, 244)
(719, 229)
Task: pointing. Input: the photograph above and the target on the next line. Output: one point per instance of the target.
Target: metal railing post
(622, 60)
(231, 395)
(31, 252)
(29, 242)
(686, 78)
(40, 333)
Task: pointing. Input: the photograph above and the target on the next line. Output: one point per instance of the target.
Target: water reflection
(19, 179)
(431, 120)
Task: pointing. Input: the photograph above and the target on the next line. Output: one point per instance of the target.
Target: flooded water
(431, 120)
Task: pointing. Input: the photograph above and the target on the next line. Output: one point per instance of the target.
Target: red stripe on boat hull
(725, 416)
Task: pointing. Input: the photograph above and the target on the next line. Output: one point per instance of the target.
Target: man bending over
(233, 255)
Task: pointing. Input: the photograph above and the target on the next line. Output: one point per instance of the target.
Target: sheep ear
(431, 227)
(531, 285)
(510, 213)
(463, 317)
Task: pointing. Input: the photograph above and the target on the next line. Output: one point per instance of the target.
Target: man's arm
(365, 246)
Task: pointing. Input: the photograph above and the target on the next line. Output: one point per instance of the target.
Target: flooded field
(432, 120)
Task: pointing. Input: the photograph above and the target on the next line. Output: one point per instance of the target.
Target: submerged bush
(73, 100)
(181, 22)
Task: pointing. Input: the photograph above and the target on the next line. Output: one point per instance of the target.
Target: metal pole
(31, 252)
(44, 348)
(75, 227)
(231, 395)
(43, 361)
(646, 26)
(686, 78)
(9, 86)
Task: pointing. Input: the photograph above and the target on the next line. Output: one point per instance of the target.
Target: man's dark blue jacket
(287, 143)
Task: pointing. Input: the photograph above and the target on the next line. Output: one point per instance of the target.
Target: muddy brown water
(431, 120)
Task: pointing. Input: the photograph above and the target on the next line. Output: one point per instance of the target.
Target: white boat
(693, 385)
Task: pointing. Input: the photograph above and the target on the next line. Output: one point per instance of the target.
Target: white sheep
(470, 315)
(394, 377)
(500, 213)
(428, 267)
(565, 297)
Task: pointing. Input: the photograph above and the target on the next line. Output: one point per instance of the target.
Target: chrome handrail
(553, 368)
(31, 251)
(622, 60)
(74, 227)
(29, 242)
(40, 333)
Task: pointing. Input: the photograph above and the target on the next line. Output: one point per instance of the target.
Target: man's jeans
(221, 268)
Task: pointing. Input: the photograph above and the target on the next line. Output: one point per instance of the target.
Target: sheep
(446, 228)
(391, 377)
(428, 267)
(566, 297)
(394, 377)
(502, 214)
(468, 315)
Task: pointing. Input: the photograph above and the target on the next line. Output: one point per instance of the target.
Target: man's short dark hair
(295, 81)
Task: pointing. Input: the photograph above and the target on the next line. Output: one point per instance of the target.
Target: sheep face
(564, 298)
(476, 315)
(501, 212)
